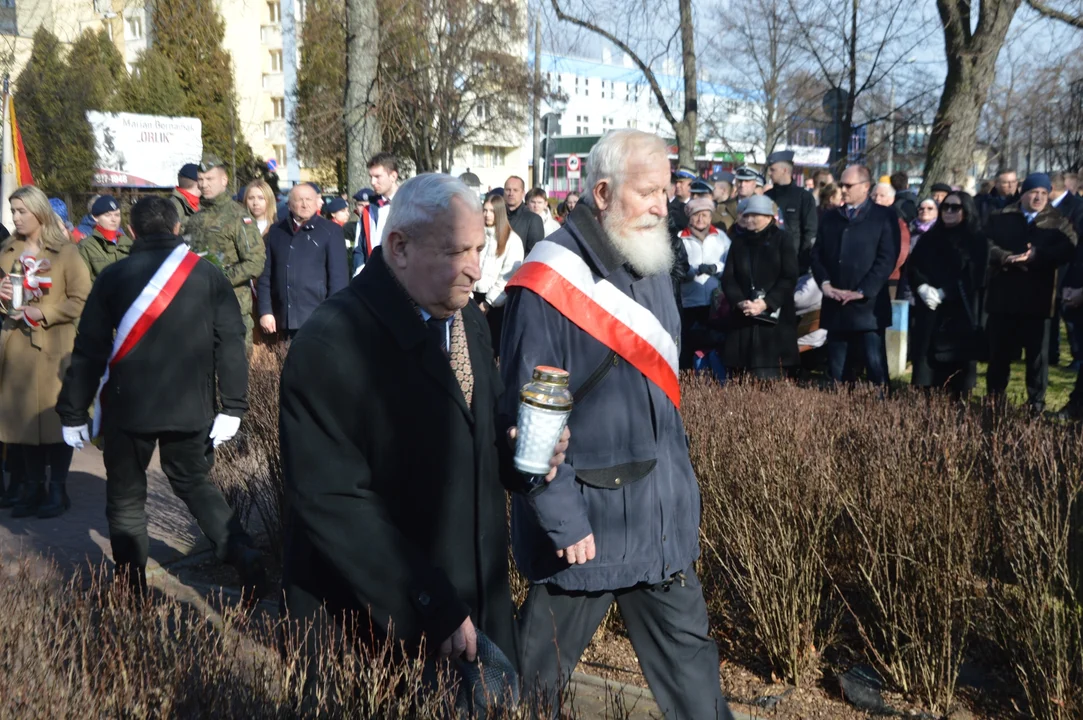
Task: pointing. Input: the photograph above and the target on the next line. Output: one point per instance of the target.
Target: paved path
(81, 536)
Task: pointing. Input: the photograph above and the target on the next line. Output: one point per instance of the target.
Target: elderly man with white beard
(620, 520)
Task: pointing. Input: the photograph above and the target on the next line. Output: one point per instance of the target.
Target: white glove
(224, 428)
(76, 437)
(932, 297)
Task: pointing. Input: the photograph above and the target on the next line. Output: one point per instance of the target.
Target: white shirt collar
(1056, 203)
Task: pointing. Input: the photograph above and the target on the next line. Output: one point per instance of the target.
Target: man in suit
(306, 264)
(854, 255)
(390, 448)
(527, 225)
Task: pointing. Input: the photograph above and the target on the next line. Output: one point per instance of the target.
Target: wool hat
(701, 187)
(104, 204)
(60, 208)
(365, 195)
(940, 187)
(756, 205)
(699, 204)
(190, 171)
(334, 205)
(1035, 181)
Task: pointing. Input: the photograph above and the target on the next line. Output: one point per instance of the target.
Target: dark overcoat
(1029, 289)
(395, 505)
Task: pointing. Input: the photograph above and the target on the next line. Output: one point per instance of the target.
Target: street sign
(573, 167)
(272, 164)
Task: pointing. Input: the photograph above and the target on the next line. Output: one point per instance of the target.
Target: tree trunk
(686, 128)
(971, 64)
(359, 115)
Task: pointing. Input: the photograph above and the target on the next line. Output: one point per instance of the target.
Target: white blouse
(496, 270)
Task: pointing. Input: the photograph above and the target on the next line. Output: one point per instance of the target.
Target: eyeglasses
(951, 207)
(847, 186)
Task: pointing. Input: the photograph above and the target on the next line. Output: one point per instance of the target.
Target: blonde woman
(36, 341)
(260, 201)
(500, 258)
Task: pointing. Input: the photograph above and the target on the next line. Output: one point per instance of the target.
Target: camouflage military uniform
(184, 210)
(227, 235)
(98, 253)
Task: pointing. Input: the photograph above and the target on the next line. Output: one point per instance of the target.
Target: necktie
(459, 352)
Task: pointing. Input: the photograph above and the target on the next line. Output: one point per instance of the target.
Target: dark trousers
(667, 625)
(1007, 335)
(693, 332)
(854, 349)
(33, 460)
(186, 460)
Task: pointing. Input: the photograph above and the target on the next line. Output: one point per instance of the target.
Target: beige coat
(33, 360)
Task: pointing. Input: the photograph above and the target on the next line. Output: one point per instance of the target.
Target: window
(488, 157)
(496, 155)
(584, 127)
(280, 155)
(133, 27)
(279, 107)
(276, 61)
(274, 11)
(576, 84)
(267, 129)
(481, 111)
(586, 87)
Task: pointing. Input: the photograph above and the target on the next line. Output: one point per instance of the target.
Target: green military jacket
(98, 253)
(184, 210)
(227, 235)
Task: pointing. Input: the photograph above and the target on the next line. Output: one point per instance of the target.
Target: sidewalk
(81, 535)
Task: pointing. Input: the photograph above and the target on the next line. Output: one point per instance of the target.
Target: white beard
(643, 244)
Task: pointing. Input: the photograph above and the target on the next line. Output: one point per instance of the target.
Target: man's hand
(484, 307)
(6, 291)
(224, 428)
(267, 324)
(462, 643)
(558, 452)
(829, 291)
(848, 296)
(1021, 258)
(76, 437)
(579, 553)
(754, 307)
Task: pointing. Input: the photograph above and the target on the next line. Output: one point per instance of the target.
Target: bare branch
(1053, 13)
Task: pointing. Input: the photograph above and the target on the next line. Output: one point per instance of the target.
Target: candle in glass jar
(544, 406)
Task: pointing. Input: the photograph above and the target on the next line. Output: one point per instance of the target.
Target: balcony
(273, 83)
(271, 36)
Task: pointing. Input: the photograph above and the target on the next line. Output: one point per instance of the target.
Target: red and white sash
(601, 310)
(147, 308)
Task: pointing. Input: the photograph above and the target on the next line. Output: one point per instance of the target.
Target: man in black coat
(796, 206)
(854, 255)
(1070, 206)
(526, 224)
(389, 442)
(162, 390)
(1029, 242)
(1004, 193)
(306, 264)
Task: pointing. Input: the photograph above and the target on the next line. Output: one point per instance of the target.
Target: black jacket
(952, 260)
(678, 216)
(302, 270)
(167, 381)
(393, 491)
(527, 225)
(1028, 289)
(858, 254)
(905, 206)
(765, 261)
(797, 208)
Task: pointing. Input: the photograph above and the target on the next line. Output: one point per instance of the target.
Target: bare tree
(362, 124)
(615, 24)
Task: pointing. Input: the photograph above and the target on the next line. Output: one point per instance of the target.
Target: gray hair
(608, 158)
(887, 189)
(421, 200)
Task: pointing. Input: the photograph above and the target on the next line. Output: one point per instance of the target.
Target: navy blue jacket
(858, 254)
(628, 478)
(302, 270)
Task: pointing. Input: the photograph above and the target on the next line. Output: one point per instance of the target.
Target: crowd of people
(398, 423)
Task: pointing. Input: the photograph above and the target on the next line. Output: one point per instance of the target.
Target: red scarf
(110, 235)
(192, 199)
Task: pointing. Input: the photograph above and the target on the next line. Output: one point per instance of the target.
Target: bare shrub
(769, 505)
(249, 469)
(1036, 472)
(909, 480)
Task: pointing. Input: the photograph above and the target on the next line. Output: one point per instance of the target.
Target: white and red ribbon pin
(33, 281)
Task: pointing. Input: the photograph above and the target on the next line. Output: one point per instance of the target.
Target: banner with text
(143, 150)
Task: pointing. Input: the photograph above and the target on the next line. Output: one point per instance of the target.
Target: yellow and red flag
(15, 165)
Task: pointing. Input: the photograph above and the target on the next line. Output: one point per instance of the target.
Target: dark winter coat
(166, 383)
(395, 507)
(859, 255)
(953, 260)
(627, 477)
(797, 208)
(527, 225)
(678, 216)
(765, 261)
(303, 268)
(1028, 289)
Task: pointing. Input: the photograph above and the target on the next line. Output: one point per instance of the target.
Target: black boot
(57, 502)
(30, 496)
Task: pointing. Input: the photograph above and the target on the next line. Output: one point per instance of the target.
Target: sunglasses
(847, 186)
(951, 207)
